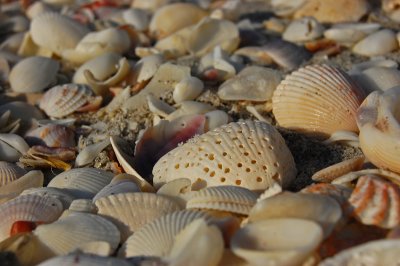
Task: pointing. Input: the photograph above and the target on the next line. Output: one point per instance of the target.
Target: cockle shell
(54, 136)
(31, 208)
(250, 154)
(377, 119)
(317, 99)
(302, 30)
(376, 202)
(223, 198)
(61, 194)
(63, 100)
(33, 74)
(130, 211)
(378, 43)
(285, 241)
(9, 172)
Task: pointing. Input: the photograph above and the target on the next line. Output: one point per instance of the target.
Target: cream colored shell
(249, 154)
(9, 172)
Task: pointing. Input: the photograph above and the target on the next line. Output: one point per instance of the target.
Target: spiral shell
(9, 172)
(317, 99)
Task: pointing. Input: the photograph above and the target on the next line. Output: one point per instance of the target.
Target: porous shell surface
(54, 136)
(10, 172)
(317, 99)
(250, 154)
(378, 43)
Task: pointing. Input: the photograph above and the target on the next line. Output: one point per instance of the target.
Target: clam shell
(302, 30)
(378, 43)
(376, 202)
(32, 208)
(117, 187)
(54, 136)
(9, 172)
(304, 101)
(277, 241)
(89, 153)
(75, 230)
(250, 154)
(83, 259)
(156, 238)
(378, 78)
(131, 211)
(33, 74)
(223, 198)
(12, 147)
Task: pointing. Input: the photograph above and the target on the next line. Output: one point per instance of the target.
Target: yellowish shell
(330, 173)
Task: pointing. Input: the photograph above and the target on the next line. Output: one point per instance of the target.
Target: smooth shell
(378, 43)
(302, 30)
(378, 78)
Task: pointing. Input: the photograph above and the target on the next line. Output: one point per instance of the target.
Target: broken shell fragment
(332, 172)
(302, 30)
(187, 89)
(350, 33)
(378, 43)
(89, 153)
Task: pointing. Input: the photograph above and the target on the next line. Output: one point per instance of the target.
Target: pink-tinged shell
(317, 99)
(63, 100)
(376, 202)
(9, 172)
(54, 136)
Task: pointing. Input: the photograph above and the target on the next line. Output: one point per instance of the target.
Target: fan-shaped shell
(50, 135)
(9, 172)
(31, 208)
(61, 194)
(84, 259)
(376, 202)
(223, 198)
(250, 154)
(317, 99)
(131, 211)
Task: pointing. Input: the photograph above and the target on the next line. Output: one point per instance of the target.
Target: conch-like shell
(249, 154)
(317, 99)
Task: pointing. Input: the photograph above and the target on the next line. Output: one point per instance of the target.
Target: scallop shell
(76, 230)
(56, 32)
(376, 202)
(317, 99)
(82, 182)
(156, 238)
(61, 194)
(63, 100)
(54, 136)
(83, 259)
(377, 43)
(82, 205)
(223, 198)
(9, 172)
(33, 74)
(31, 208)
(131, 211)
(302, 30)
(277, 241)
(250, 154)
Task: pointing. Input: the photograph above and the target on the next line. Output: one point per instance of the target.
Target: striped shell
(250, 154)
(223, 198)
(61, 194)
(317, 99)
(28, 208)
(130, 211)
(63, 100)
(54, 136)
(376, 202)
(9, 172)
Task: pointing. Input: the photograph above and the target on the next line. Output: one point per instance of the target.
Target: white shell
(378, 43)
(54, 136)
(187, 89)
(302, 30)
(89, 153)
(136, 17)
(378, 78)
(146, 67)
(82, 205)
(12, 147)
(9, 172)
(83, 259)
(62, 195)
(117, 186)
(349, 33)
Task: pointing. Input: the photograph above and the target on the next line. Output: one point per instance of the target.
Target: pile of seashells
(202, 132)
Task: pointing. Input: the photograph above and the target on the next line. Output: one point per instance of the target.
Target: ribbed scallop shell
(10, 172)
(28, 208)
(157, 237)
(317, 99)
(83, 259)
(223, 198)
(250, 154)
(130, 211)
(61, 194)
(376, 202)
(63, 100)
(50, 135)
(75, 230)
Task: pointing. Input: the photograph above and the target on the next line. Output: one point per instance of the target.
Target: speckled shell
(317, 99)
(54, 136)
(156, 238)
(9, 172)
(75, 230)
(28, 208)
(130, 211)
(63, 100)
(250, 154)
(376, 202)
(223, 198)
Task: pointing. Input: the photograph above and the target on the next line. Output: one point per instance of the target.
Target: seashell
(350, 33)
(63, 100)
(33, 74)
(12, 147)
(30, 180)
(117, 186)
(347, 179)
(189, 108)
(321, 209)
(61, 194)
(177, 190)
(187, 89)
(29, 48)
(50, 29)
(37, 9)
(10, 172)
(215, 118)
(82, 182)
(149, 5)
(131, 211)
(11, 44)
(174, 45)
(146, 67)
(82, 205)
(378, 61)
(376, 202)
(166, 20)
(27, 114)
(30, 208)
(159, 107)
(343, 137)
(317, 85)
(378, 252)
(84, 259)
(89, 153)
(156, 238)
(76, 230)
(302, 30)
(223, 198)
(7, 125)
(253, 83)
(378, 124)
(54, 136)
(136, 17)
(378, 78)
(249, 154)
(285, 7)
(269, 242)
(332, 172)
(377, 43)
